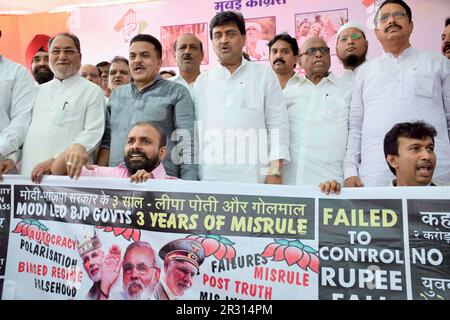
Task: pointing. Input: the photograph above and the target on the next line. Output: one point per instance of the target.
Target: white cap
(255, 25)
(349, 25)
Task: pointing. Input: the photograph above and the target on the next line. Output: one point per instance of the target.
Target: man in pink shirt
(144, 151)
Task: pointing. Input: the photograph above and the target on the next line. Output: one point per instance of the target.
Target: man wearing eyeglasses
(351, 48)
(318, 119)
(68, 109)
(402, 85)
(139, 269)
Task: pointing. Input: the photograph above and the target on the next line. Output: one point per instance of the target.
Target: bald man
(318, 114)
(91, 73)
(188, 53)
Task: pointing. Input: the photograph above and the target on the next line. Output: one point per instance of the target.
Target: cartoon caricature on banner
(78, 240)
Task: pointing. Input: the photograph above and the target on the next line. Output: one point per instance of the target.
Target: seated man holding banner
(409, 152)
(144, 151)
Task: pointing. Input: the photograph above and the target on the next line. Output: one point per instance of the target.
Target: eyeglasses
(396, 15)
(312, 51)
(67, 52)
(141, 268)
(354, 36)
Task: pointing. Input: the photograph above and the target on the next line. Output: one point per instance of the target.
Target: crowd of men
(377, 124)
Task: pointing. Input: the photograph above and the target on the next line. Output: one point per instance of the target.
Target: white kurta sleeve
(23, 93)
(356, 115)
(277, 121)
(94, 122)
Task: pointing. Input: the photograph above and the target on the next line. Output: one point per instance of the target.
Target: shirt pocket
(423, 84)
(248, 98)
(334, 108)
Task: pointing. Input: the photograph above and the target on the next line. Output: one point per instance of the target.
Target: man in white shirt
(241, 112)
(188, 53)
(318, 119)
(409, 152)
(446, 39)
(400, 86)
(283, 56)
(351, 48)
(68, 109)
(17, 94)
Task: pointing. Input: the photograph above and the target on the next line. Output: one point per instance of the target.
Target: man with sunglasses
(318, 119)
(402, 85)
(351, 48)
(68, 109)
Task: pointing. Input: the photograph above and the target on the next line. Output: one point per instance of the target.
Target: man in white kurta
(318, 120)
(351, 49)
(188, 53)
(69, 109)
(241, 112)
(17, 93)
(402, 85)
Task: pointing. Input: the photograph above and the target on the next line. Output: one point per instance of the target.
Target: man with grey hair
(140, 272)
(68, 109)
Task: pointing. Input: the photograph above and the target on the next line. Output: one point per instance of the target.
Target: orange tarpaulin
(18, 31)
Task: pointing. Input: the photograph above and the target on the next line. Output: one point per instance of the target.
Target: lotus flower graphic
(220, 247)
(127, 233)
(293, 252)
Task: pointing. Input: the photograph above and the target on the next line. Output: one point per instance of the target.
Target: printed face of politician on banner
(169, 35)
(259, 31)
(323, 24)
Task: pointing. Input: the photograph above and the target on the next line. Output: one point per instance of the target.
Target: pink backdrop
(105, 32)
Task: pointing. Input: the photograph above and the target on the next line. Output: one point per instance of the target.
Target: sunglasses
(354, 36)
(312, 51)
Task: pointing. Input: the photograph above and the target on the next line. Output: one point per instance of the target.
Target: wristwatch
(275, 172)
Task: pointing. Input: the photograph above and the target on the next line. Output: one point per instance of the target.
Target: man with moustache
(402, 85)
(142, 157)
(188, 53)
(150, 98)
(351, 48)
(445, 47)
(103, 67)
(240, 108)
(140, 273)
(37, 57)
(119, 72)
(67, 110)
(91, 252)
(318, 119)
(283, 56)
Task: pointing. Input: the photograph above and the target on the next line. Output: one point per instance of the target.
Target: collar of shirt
(227, 72)
(158, 173)
(331, 78)
(134, 91)
(406, 53)
(167, 289)
(66, 82)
